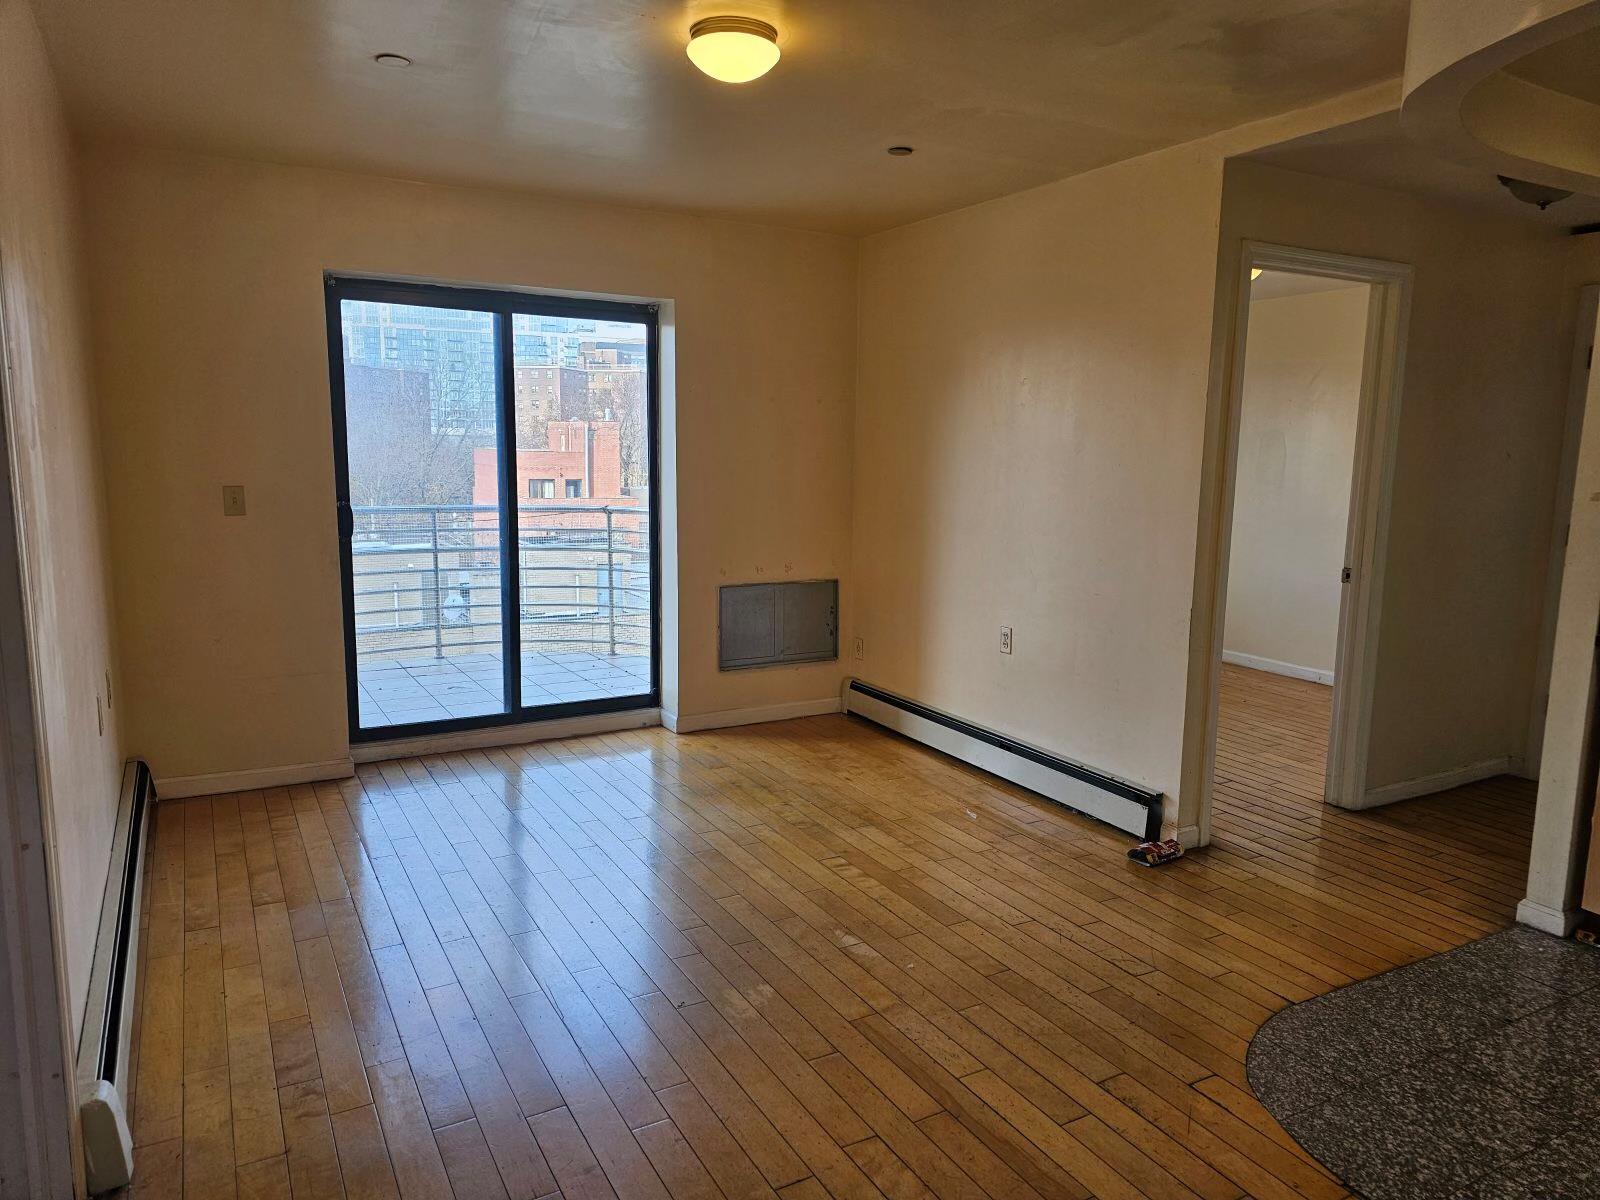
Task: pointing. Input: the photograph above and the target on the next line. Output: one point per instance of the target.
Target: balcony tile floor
(406, 691)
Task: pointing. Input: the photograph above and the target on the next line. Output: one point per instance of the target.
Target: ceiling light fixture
(1540, 195)
(391, 60)
(733, 49)
(901, 151)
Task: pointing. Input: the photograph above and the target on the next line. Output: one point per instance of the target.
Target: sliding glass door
(495, 457)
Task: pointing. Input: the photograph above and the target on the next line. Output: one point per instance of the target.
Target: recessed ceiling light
(733, 49)
(901, 151)
(391, 60)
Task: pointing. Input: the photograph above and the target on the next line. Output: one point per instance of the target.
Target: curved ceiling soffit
(1461, 102)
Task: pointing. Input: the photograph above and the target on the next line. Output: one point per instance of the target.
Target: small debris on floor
(1153, 854)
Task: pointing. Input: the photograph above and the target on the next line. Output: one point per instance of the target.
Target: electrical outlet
(233, 500)
(861, 647)
(1005, 639)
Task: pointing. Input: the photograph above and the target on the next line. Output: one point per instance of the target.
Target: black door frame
(503, 305)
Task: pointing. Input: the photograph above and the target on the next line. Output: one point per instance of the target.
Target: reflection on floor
(1465, 1076)
(404, 691)
(1465, 850)
(1272, 736)
(807, 958)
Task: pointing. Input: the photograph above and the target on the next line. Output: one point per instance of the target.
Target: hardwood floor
(802, 959)
(1448, 867)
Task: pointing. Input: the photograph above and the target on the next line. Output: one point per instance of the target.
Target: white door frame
(1367, 535)
(38, 1127)
(1566, 759)
(1577, 395)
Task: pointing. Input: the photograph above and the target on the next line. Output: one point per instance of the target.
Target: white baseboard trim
(103, 1074)
(1117, 802)
(759, 715)
(506, 735)
(1441, 781)
(1546, 919)
(1273, 667)
(176, 787)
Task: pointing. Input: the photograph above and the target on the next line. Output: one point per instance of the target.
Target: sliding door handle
(347, 519)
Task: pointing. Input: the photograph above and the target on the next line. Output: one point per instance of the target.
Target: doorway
(496, 467)
(1313, 396)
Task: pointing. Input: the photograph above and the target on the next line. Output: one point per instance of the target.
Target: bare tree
(635, 438)
(387, 468)
(396, 455)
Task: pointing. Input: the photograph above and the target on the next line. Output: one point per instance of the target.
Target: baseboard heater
(105, 1042)
(1116, 802)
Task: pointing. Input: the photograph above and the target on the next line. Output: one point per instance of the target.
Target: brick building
(581, 460)
(545, 394)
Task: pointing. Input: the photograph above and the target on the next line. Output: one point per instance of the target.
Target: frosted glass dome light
(733, 49)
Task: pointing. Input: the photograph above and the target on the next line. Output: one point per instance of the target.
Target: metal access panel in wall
(765, 624)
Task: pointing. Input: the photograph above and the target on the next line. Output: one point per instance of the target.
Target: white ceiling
(1274, 285)
(1571, 66)
(595, 98)
(1378, 151)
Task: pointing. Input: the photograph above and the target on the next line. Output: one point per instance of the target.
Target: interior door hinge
(1344, 575)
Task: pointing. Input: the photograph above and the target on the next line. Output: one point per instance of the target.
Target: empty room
(1306, 348)
(793, 598)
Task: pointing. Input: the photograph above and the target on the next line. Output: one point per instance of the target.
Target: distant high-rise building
(393, 398)
(555, 363)
(394, 452)
(545, 394)
(615, 390)
(453, 347)
(541, 341)
(629, 352)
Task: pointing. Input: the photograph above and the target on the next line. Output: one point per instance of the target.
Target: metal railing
(427, 579)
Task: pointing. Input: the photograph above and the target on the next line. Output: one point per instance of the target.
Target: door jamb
(1372, 480)
(38, 1109)
(1583, 340)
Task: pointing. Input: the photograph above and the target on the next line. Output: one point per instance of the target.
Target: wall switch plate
(1005, 639)
(233, 500)
(861, 647)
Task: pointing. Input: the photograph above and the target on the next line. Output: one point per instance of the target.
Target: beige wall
(1479, 441)
(1029, 430)
(1031, 424)
(57, 483)
(1291, 500)
(208, 296)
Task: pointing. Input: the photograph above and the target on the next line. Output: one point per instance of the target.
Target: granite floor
(1467, 1076)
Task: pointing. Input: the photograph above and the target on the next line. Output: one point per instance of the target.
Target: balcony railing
(427, 579)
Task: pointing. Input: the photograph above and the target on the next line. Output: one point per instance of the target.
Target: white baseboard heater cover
(1116, 802)
(104, 1044)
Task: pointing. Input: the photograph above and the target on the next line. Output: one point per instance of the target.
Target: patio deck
(411, 690)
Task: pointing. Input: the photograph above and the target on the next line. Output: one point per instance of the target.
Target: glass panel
(419, 400)
(583, 496)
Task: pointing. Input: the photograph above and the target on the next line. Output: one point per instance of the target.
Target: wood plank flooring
(804, 959)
